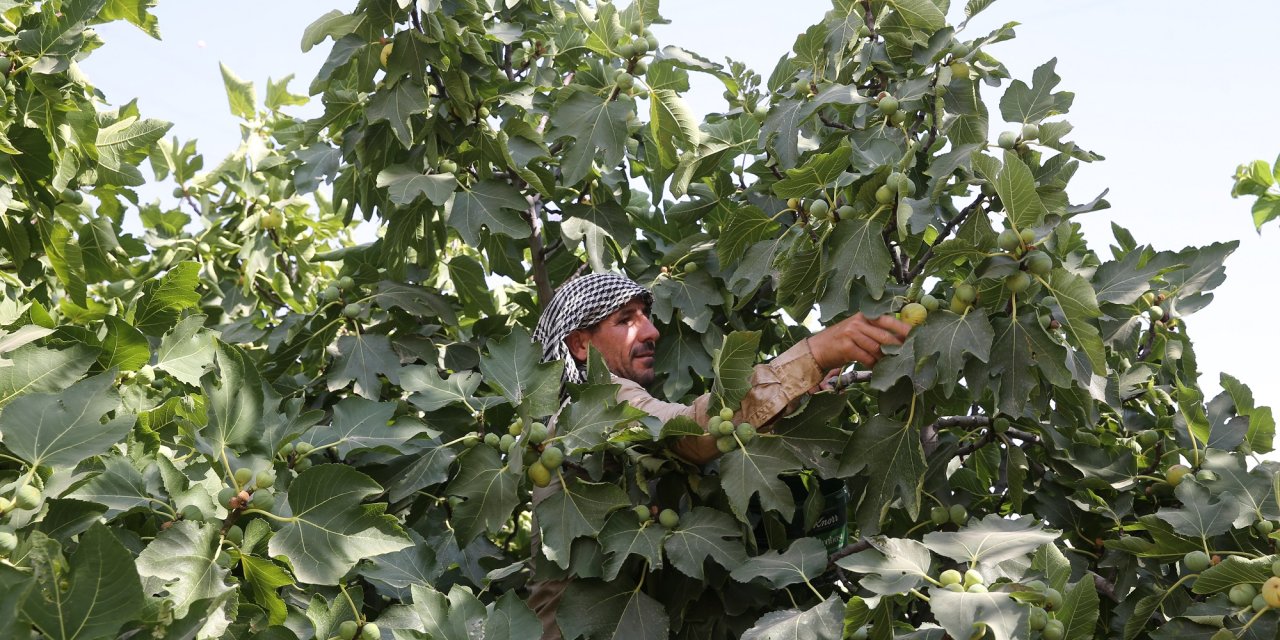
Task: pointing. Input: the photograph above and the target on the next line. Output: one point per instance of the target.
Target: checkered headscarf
(578, 304)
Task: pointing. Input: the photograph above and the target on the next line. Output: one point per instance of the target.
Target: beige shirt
(774, 386)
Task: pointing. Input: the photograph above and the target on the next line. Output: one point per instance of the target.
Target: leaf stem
(270, 515)
(354, 611)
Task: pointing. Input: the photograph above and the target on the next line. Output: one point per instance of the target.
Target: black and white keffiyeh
(578, 304)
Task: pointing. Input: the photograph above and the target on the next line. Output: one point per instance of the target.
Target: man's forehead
(636, 305)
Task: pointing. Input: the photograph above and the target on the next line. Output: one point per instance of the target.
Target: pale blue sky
(1174, 93)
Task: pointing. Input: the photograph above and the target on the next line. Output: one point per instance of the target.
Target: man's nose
(648, 332)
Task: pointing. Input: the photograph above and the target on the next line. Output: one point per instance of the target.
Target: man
(610, 313)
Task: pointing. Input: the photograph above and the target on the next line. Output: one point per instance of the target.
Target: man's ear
(578, 342)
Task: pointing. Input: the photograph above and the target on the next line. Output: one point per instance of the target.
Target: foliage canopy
(241, 423)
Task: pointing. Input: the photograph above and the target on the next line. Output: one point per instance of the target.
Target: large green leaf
(511, 619)
(241, 97)
(492, 204)
(672, 124)
(598, 127)
(164, 299)
(1232, 571)
(1016, 186)
(362, 358)
(62, 429)
(991, 540)
(1080, 307)
(733, 367)
(431, 467)
(404, 185)
(890, 566)
(1021, 103)
(458, 616)
(783, 123)
(704, 533)
(1262, 424)
(124, 347)
(101, 594)
(1079, 613)
(587, 423)
(961, 613)
(488, 489)
(578, 509)
(187, 350)
(360, 424)
(331, 530)
(125, 143)
(262, 582)
(888, 452)
(823, 622)
(858, 253)
(955, 339)
(1202, 514)
(234, 399)
(803, 561)
(396, 107)
(755, 468)
(182, 563)
(514, 367)
(1013, 359)
(35, 369)
(624, 535)
(611, 610)
(118, 486)
(1254, 488)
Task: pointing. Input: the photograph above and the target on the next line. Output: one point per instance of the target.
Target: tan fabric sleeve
(774, 385)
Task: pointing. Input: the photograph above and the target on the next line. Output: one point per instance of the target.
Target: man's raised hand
(856, 339)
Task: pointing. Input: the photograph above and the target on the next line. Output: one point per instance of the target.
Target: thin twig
(898, 272)
(833, 124)
(947, 229)
(846, 380)
(848, 550)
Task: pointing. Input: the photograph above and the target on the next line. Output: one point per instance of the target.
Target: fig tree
(959, 514)
(352, 310)
(516, 428)
(793, 204)
(346, 283)
(370, 631)
(329, 294)
(726, 413)
(725, 444)
(725, 427)
(243, 475)
(950, 576)
(745, 432)
(505, 442)
(1259, 603)
(972, 577)
(976, 588)
(383, 56)
(538, 433)
(966, 293)
(845, 212)
(624, 81)
(690, 267)
(491, 439)
(235, 535)
(1007, 139)
(960, 69)
(1030, 131)
(885, 195)
(1027, 236)
(670, 519)
(1264, 527)
(929, 303)
(642, 513)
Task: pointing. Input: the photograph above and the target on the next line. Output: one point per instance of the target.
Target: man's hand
(856, 339)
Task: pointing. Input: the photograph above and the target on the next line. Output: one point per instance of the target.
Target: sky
(1175, 94)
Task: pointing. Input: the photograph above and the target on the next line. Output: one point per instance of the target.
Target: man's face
(626, 339)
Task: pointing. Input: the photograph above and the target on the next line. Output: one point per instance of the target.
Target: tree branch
(947, 229)
(846, 380)
(537, 252)
(833, 124)
(898, 272)
(861, 545)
